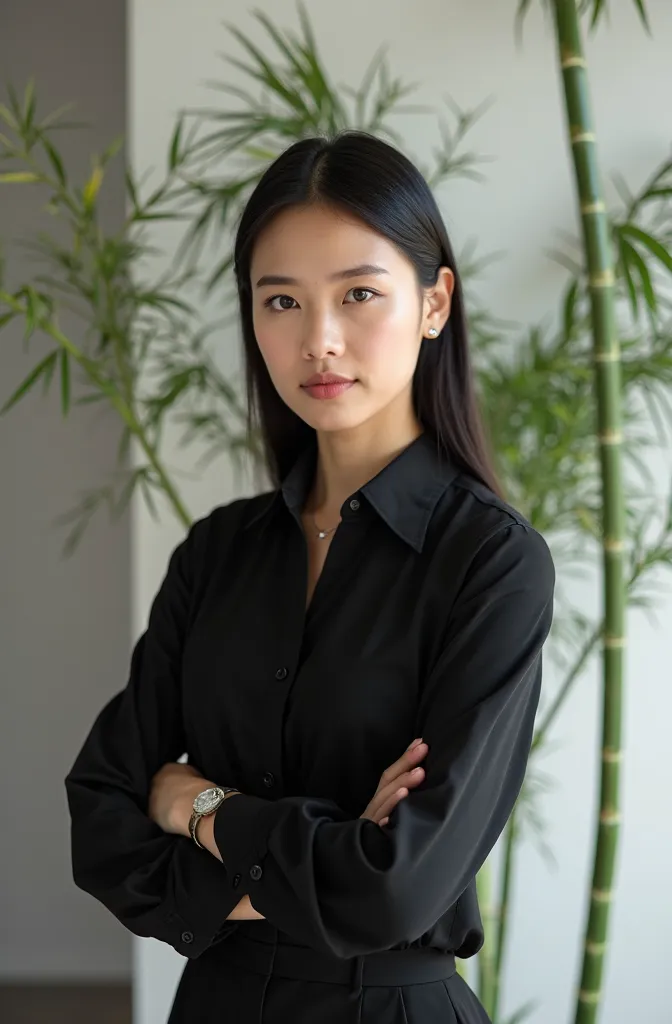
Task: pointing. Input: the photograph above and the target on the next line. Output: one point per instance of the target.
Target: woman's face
(332, 296)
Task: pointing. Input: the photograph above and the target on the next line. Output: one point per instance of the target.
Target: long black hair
(374, 181)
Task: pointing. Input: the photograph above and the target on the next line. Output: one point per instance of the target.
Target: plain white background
(468, 49)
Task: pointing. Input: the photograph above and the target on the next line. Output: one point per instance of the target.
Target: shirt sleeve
(350, 887)
(156, 884)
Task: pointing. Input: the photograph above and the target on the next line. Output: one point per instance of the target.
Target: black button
(236, 881)
(187, 937)
(354, 505)
(281, 673)
(269, 779)
(255, 872)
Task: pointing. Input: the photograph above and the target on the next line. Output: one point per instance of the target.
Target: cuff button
(187, 937)
(255, 872)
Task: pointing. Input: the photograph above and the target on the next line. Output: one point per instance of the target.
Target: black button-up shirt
(428, 620)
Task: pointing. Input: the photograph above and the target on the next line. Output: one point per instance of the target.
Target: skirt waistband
(389, 968)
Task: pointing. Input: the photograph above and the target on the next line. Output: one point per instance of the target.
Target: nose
(321, 339)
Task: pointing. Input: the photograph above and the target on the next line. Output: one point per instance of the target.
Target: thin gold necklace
(321, 534)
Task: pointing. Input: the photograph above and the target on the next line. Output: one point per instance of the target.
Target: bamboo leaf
(174, 152)
(19, 176)
(641, 9)
(645, 277)
(54, 159)
(65, 382)
(651, 243)
(266, 74)
(146, 488)
(44, 367)
(131, 187)
(625, 250)
(599, 8)
(29, 105)
(92, 187)
(111, 151)
(570, 309)
(8, 117)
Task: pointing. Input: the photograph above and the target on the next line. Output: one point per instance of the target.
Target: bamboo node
(597, 207)
(608, 357)
(612, 545)
(573, 61)
(602, 895)
(589, 997)
(610, 818)
(605, 279)
(612, 756)
(579, 136)
(596, 948)
(611, 437)
(614, 642)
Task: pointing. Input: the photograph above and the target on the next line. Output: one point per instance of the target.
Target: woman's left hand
(172, 794)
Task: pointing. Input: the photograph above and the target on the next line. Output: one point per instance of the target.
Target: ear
(437, 301)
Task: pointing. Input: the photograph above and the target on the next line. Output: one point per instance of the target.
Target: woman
(382, 592)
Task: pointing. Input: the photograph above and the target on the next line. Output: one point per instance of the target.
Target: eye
(355, 292)
(270, 302)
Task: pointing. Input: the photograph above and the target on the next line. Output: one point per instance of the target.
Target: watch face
(207, 800)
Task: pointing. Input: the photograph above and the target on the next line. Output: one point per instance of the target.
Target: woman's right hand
(395, 783)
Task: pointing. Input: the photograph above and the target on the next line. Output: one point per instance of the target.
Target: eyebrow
(364, 270)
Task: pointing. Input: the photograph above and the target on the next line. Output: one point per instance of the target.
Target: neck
(349, 459)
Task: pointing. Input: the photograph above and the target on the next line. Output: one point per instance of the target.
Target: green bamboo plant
(599, 262)
(142, 346)
(608, 404)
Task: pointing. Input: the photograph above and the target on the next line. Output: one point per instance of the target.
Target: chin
(333, 423)
(327, 418)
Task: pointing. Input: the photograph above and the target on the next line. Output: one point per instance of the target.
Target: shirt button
(255, 872)
(187, 937)
(281, 673)
(269, 779)
(236, 881)
(354, 505)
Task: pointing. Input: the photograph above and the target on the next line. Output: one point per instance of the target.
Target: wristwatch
(207, 803)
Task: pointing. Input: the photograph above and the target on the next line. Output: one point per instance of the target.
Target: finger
(388, 806)
(409, 779)
(390, 796)
(409, 759)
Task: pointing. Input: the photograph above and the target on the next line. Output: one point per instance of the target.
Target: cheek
(391, 344)
(276, 346)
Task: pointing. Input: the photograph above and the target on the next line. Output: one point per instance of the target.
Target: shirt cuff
(240, 831)
(198, 916)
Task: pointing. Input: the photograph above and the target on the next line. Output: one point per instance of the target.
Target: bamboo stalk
(607, 376)
(486, 956)
(503, 908)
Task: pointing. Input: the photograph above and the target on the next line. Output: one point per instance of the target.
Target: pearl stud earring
(432, 332)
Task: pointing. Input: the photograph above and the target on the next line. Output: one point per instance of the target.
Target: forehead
(317, 240)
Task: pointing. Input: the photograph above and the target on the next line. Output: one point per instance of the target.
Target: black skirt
(258, 976)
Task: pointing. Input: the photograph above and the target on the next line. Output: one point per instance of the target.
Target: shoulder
(494, 537)
(210, 537)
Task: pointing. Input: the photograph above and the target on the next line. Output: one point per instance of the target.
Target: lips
(327, 378)
(327, 385)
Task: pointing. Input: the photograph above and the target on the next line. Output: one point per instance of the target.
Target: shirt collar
(404, 493)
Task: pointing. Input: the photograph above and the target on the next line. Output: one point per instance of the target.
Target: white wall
(64, 624)
(468, 49)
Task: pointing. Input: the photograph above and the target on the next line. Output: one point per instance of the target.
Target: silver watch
(207, 803)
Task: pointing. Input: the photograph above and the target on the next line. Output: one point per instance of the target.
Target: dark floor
(65, 1004)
